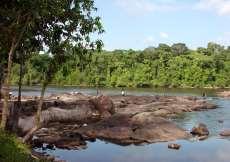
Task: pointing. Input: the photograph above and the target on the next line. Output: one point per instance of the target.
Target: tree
(203, 51)
(68, 23)
(179, 49)
(214, 48)
(14, 22)
(54, 24)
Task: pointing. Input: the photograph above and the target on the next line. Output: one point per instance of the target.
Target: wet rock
(174, 146)
(134, 129)
(200, 130)
(220, 121)
(60, 136)
(225, 133)
(43, 156)
(50, 146)
(202, 138)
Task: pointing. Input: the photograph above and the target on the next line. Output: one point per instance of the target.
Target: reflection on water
(214, 149)
(211, 150)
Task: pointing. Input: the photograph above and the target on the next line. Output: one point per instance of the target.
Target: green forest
(162, 66)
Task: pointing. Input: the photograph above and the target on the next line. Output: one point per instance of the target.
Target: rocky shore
(69, 120)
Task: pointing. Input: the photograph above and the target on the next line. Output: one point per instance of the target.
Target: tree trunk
(5, 110)
(28, 136)
(16, 112)
(20, 81)
(1, 79)
(15, 41)
(39, 111)
(0, 86)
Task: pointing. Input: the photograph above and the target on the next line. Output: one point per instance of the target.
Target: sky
(138, 24)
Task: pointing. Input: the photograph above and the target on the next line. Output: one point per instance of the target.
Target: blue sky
(137, 24)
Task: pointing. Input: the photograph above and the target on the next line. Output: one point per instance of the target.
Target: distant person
(97, 91)
(122, 92)
(204, 94)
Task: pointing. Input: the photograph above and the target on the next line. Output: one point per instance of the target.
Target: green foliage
(12, 150)
(174, 66)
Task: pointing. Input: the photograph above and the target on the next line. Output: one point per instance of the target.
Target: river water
(214, 149)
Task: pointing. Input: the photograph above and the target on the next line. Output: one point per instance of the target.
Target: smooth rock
(202, 138)
(174, 146)
(134, 129)
(225, 133)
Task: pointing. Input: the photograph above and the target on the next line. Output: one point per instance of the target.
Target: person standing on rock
(204, 94)
(97, 91)
(122, 92)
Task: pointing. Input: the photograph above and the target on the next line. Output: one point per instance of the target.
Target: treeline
(168, 66)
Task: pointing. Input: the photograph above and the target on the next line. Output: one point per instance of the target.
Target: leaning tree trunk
(7, 87)
(38, 123)
(39, 111)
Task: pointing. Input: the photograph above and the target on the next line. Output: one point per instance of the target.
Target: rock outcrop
(68, 120)
(64, 108)
(128, 129)
(163, 106)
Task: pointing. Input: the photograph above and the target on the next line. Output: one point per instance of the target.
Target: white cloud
(138, 7)
(221, 7)
(149, 40)
(164, 35)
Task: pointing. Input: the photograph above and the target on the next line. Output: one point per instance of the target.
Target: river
(214, 149)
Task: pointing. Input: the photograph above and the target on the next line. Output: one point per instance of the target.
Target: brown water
(214, 149)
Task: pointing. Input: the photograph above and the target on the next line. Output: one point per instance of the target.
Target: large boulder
(104, 105)
(55, 114)
(127, 129)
